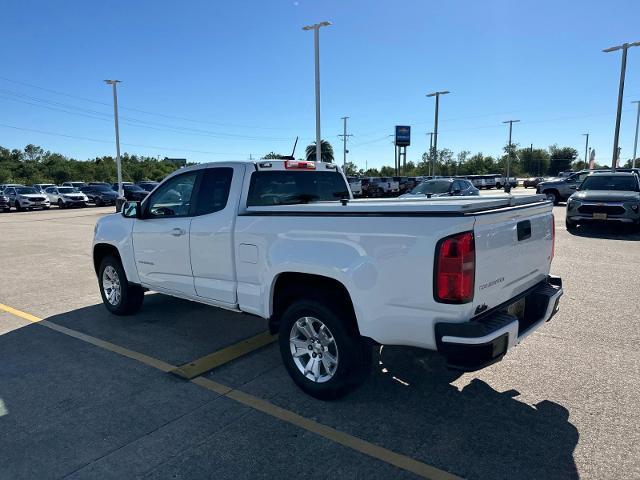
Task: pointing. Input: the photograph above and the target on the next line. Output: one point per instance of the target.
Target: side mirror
(132, 210)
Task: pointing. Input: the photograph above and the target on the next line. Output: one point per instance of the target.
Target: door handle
(176, 232)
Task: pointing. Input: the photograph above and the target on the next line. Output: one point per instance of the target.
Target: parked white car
(26, 198)
(355, 185)
(284, 240)
(66, 197)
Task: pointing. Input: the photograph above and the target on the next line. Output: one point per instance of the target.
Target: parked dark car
(133, 193)
(100, 194)
(148, 185)
(532, 182)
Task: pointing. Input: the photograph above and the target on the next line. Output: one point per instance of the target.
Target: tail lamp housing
(455, 269)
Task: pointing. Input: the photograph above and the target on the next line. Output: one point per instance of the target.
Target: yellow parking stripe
(375, 451)
(18, 313)
(198, 367)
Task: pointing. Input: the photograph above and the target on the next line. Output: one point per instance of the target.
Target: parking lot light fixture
(616, 136)
(114, 84)
(434, 148)
(316, 47)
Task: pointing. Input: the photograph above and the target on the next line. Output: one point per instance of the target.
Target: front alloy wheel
(118, 295)
(111, 285)
(314, 349)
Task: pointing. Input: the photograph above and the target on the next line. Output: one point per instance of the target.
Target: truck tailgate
(513, 252)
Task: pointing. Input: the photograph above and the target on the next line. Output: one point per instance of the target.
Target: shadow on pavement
(408, 405)
(606, 231)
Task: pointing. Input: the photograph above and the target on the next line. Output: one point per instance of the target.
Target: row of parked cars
(69, 194)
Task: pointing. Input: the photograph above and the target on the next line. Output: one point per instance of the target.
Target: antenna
(293, 154)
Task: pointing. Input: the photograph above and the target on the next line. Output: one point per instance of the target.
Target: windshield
(26, 190)
(67, 190)
(101, 188)
(432, 187)
(290, 187)
(610, 182)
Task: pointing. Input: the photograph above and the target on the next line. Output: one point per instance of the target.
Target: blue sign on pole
(403, 135)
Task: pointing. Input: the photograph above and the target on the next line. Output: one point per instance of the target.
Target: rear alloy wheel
(118, 295)
(324, 356)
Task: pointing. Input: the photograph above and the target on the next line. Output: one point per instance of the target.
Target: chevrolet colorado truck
(467, 277)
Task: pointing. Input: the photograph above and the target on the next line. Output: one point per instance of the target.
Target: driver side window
(173, 198)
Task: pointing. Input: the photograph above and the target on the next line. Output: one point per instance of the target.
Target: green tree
(350, 168)
(326, 151)
(272, 156)
(534, 162)
(561, 159)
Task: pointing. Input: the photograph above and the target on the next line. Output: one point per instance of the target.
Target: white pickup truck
(467, 277)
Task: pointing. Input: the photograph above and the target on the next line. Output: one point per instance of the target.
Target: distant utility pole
(635, 142)
(586, 149)
(624, 47)
(344, 136)
(316, 47)
(507, 183)
(430, 149)
(435, 129)
(113, 83)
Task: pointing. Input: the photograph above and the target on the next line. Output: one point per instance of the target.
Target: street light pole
(507, 184)
(635, 141)
(113, 83)
(430, 149)
(316, 46)
(624, 47)
(586, 148)
(435, 129)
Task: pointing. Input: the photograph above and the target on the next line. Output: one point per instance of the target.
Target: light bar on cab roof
(299, 165)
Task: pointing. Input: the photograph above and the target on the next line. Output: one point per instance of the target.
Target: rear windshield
(291, 187)
(610, 182)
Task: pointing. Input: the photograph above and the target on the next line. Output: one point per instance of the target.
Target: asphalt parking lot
(84, 394)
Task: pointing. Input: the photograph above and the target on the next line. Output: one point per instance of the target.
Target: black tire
(131, 296)
(353, 352)
(18, 206)
(46, 208)
(98, 202)
(7, 209)
(571, 226)
(552, 196)
(60, 204)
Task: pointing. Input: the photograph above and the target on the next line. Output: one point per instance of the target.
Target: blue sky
(224, 80)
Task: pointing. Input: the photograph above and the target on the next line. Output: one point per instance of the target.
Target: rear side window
(214, 190)
(291, 187)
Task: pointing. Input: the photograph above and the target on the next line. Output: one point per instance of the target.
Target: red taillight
(299, 165)
(553, 236)
(455, 269)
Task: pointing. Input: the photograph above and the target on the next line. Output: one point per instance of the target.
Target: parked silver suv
(26, 198)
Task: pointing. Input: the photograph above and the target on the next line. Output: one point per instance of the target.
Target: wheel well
(291, 286)
(100, 251)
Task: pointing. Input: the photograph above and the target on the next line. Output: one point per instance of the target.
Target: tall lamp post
(507, 183)
(635, 141)
(120, 199)
(435, 129)
(624, 47)
(316, 46)
(586, 149)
